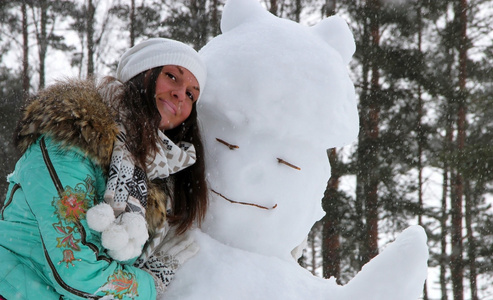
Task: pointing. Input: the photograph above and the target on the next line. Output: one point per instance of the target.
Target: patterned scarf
(126, 189)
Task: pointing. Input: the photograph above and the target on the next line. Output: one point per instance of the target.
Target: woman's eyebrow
(179, 70)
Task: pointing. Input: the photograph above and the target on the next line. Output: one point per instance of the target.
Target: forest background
(423, 76)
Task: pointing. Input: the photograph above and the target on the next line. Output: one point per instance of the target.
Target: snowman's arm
(399, 272)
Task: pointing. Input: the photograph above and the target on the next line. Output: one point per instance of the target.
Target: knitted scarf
(126, 189)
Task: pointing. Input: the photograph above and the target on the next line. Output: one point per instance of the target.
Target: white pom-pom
(137, 248)
(130, 251)
(99, 217)
(115, 237)
(136, 227)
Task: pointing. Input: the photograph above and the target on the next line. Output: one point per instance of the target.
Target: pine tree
(46, 15)
(188, 22)
(94, 28)
(368, 143)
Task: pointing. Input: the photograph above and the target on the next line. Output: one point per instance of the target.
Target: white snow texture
(280, 90)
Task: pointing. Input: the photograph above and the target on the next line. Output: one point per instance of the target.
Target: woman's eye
(171, 76)
(190, 95)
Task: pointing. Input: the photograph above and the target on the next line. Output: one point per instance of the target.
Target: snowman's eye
(282, 161)
(230, 146)
(279, 160)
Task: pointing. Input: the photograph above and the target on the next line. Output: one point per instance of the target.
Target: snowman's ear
(335, 32)
(237, 12)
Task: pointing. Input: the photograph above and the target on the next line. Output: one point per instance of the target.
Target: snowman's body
(278, 95)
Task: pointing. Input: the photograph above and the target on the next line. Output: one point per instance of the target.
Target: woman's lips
(170, 106)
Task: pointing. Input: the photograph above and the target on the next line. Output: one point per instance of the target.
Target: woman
(85, 144)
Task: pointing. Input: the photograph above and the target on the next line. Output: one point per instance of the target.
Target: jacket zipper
(59, 188)
(14, 189)
(57, 276)
(60, 280)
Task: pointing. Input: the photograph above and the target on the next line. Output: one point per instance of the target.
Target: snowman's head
(278, 95)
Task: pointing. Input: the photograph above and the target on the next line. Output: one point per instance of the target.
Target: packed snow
(278, 95)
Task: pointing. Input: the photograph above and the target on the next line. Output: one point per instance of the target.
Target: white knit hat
(156, 52)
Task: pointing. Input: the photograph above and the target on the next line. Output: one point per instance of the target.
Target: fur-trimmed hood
(77, 113)
(73, 113)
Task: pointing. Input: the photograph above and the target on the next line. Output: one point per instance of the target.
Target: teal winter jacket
(47, 251)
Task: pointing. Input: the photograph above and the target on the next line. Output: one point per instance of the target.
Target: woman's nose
(179, 94)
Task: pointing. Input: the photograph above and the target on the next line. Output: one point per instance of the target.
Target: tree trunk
(443, 239)
(42, 41)
(420, 139)
(363, 150)
(329, 8)
(273, 7)
(456, 258)
(371, 191)
(132, 23)
(471, 242)
(331, 228)
(457, 264)
(313, 245)
(366, 204)
(447, 182)
(90, 37)
(25, 53)
(444, 261)
(297, 11)
(215, 18)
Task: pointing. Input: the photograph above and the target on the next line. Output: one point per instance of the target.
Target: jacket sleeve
(59, 197)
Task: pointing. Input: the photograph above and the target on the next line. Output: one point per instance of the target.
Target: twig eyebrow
(230, 146)
(282, 161)
(244, 203)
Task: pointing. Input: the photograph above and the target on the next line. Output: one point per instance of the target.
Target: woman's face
(176, 92)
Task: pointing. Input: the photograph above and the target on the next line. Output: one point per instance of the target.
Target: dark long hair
(189, 186)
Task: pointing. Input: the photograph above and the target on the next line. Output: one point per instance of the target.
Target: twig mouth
(243, 203)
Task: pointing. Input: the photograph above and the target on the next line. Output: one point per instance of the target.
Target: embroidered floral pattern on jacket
(120, 284)
(73, 204)
(70, 207)
(68, 257)
(67, 240)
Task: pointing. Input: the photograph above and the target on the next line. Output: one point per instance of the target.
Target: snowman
(278, 95)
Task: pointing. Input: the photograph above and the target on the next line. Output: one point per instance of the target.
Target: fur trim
(73, 113)
(156, 206)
